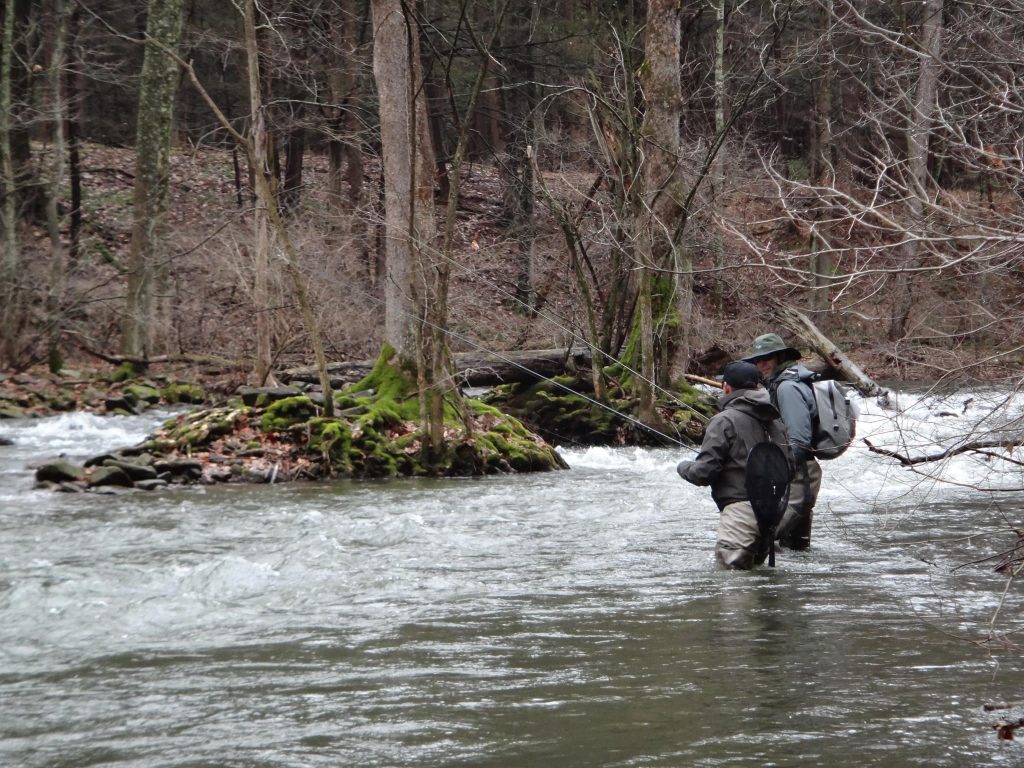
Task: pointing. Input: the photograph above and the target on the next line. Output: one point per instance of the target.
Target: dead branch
(979, 446)
(801, 325)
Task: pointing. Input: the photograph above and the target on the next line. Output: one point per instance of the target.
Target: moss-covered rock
(182, 392)
(192, 430)
(143, 393)
(284, 414)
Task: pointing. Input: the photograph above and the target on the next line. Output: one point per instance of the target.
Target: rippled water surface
(566, 619)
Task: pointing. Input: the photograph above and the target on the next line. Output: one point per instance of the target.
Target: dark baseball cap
(741, 375)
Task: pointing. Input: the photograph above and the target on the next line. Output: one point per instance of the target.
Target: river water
(567, 619)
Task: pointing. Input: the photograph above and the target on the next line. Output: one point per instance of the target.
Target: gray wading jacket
(793, 397)
(746, 417)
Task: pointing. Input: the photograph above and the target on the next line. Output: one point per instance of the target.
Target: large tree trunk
(9, 293)
(147, 276)
(916, 176)
(822, 169)
(264, 178)
(661, 293)
(408, 170)
(57, 29)
(718, 165)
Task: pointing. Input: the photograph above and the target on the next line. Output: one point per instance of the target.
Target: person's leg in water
(740, 545)
(794, 531)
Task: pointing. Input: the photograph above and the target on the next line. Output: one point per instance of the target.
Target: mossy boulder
(192, 430)
(181, 392)
(143, 393)
(286, 413)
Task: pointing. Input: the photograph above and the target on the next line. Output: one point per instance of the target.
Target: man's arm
(714, 451)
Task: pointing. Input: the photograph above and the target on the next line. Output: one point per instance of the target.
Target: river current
(573, 618)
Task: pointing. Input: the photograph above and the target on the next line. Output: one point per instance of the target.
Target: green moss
(142, 392)
(393, 400)
(331, 439)
(63, 401)
(124, 372)
(288, 412)
(201, 427)
(181, 392)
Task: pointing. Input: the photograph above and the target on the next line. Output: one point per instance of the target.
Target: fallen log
(702, 380)
(799, 324)
(472, 369)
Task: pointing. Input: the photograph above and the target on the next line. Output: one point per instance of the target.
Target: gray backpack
(836, 426)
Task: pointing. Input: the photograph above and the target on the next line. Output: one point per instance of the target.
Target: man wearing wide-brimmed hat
(789, 385)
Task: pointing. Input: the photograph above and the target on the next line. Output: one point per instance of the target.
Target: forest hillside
(598, 175)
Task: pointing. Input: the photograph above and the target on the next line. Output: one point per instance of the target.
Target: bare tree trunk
(519, 168)
(662, 293)
(345, 175)
(295, 151)
(263, 177)
(72, 110)
(718, 166)
(9, 211)
(54, 181)
(408, 170)
(822, 165)
(918, 132)
(147, 271)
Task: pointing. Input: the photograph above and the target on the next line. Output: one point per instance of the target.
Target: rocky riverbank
(38, 393)
(281, 434)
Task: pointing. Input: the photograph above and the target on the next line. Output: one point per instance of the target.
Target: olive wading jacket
(746, 417)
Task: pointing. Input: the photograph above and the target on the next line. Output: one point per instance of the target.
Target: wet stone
(115, 404)
(59, 472)
(108, 475)
(252, 396)
(134, 471)
(184, 467)
(151, 485)
(110, 490)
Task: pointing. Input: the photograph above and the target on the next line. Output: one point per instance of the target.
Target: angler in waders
(789, 386)
(747, 425)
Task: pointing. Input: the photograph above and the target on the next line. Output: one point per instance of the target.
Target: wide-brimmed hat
(770, 344)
